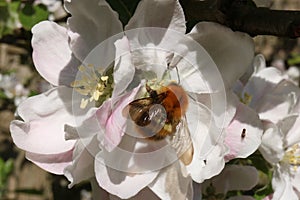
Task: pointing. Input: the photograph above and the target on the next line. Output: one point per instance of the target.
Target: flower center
(292, 156)
(93, 84)
(246, 98)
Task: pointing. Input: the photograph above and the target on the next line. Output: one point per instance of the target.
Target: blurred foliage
(6, 168)
(19, 14)
(8, 17)
(294, 60)
(30, 15)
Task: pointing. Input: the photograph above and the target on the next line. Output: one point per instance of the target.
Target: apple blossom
(276, 99)
(284, 154)
(78, 128)
(268, 91)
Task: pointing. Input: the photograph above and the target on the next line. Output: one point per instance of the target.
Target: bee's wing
(139, 109)
(181, 141)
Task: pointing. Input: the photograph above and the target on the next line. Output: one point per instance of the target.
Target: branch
(244, 16)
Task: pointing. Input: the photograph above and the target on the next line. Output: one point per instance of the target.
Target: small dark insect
(243, 135)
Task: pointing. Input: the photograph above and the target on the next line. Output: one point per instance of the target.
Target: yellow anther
(246, 99)
(83, 103)
(104, 78)
(292, 157)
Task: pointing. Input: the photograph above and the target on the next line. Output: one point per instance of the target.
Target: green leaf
(30, 15)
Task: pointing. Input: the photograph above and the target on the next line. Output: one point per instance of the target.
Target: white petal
(173, 183)
(44, 116)
(121, 184)
(262, 82)
(208, 158)
(290, 129)
(82, 167)
(202, 169)
(272, 143)
(52, 56)
(231, 51)
(159, 24)
(282, 185)
(124, 69)
(197, 70)
(279, 102)
(296, 181)
(155, 13)
(91, 23)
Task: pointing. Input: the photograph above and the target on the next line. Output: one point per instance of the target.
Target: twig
(243, 15)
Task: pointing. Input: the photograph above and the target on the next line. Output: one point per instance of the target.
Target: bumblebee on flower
(165, 79)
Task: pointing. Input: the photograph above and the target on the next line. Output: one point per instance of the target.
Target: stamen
(93, 84)
(292, 157)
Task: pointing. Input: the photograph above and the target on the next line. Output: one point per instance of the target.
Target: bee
(162, 114)
(158, 115)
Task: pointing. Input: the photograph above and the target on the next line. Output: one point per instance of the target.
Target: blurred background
(19, 178)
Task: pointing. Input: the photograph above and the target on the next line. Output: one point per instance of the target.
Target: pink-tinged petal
(282, 185)
(232, 52)
(91, 23)
(124, 69)
(82, 167)
(166, 14)
(173, 182)
(52, 56)
(120, 183)
(279, 102)
(44, 115)
(114, 123)
(272, 143)
(243, 135)
(53, 163)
